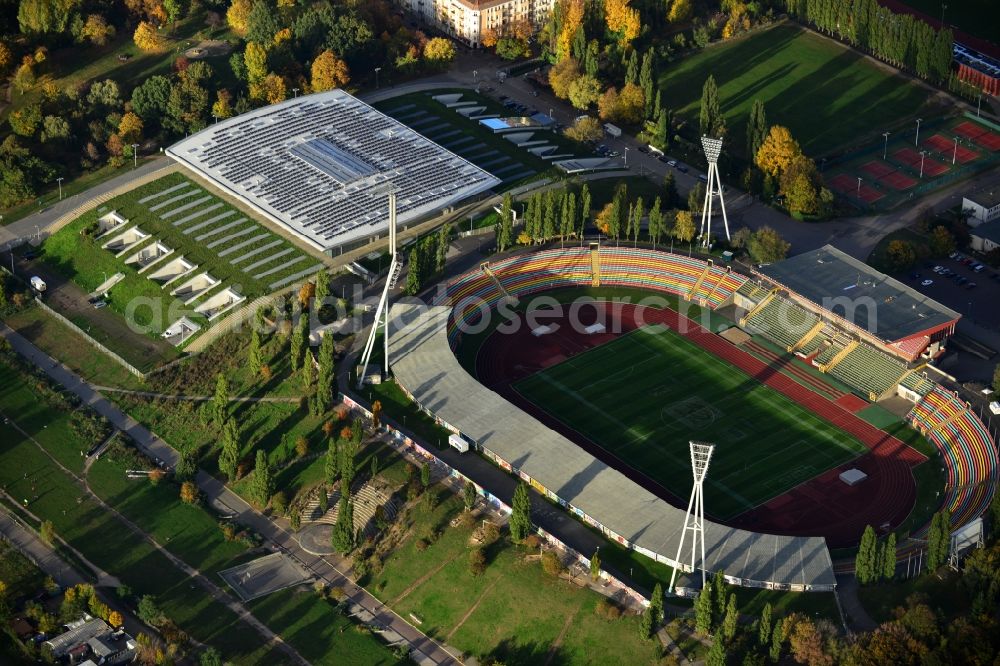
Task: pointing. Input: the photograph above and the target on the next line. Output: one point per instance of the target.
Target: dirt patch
(208, 48)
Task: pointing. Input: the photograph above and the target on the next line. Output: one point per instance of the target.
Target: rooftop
(867, 298)
(425, 365)
(78, 635)
(986, 198)
(988, 230)
(321, 164)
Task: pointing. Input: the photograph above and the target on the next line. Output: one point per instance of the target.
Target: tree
(477, 561)
(262, 482)
(38, 17)
(115, 619)
(47, 532)
(5, 58)
(505, 226)
(942, 241)
(661, 137)
(297, 342)
(684, 228)
(680, 11)
(595, 567)
(710, 120)
(520, 517)
(656, 225)
(238, 16)
(777, 151)
(331, 466)
(585, 128)
(150, 98)
(343, 529)
(329, 72)
(220, 400)
(561, 75)
(777, 640)
(189, 493)
(512, 48)
(938, 539)
(889, 557)
(24, 77)
(670, 195)
(864, 561)
(646, 624)
(440, 51)
(764, 626)
(996, 388)
(146, 37)
(149, 612)
(703, 611)
(326, 378)
(584, 207)
(96, 30)
(584, 91)
(270, 89)
(210, 657)
(716, 654)
(255, 357)
(255, 59)
(130, 128)
(731, 619)
(767, 246)
(230, 454)
(425, 475)
(756, 128)
(25, 121)
(801, 196)
(469, 495)
(622, 19)
(696, 197)
(412, 286)
(900, 255)
(806, 641)
(261, 22)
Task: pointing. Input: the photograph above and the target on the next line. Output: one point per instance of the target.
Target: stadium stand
(869, 370)
(781, 321)
(319, 165)
(426, 368)
(574, 267)
(967, 450)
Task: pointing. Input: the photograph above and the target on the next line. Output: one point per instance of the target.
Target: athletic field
(828, 95)
(646, 394)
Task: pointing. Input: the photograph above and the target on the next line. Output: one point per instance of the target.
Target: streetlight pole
(885, 148)
(859, 186)
(943, 7)
(135, 155)
(59, 182)
(216, 118)
(979, 104)
(295, 93)
(626, 157)
(377, 70)
(954, 153)
(475, 76)
(922, 154)
(916, 140)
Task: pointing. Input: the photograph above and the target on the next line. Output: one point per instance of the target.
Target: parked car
(663, 158)
(970, 285)
(672, 163)
(682, 168)
(927, 283)
(978, 268)
(643, 149)
(938, 269)
(954, 255)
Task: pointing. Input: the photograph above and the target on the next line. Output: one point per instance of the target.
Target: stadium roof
(321, 164)
(843, 285)
(425, 365)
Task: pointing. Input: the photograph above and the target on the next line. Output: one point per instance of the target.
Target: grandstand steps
(840, 356)
(810, 334)
(715, 287)
(595, 265)
(760, 306)
(697, 284)
(511, 300)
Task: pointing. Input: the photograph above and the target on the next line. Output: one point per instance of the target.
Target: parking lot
(955, 282)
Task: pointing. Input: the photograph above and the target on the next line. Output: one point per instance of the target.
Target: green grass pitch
(828, 95)
(644, 396)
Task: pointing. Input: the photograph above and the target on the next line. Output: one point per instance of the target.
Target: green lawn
(69, 348)
(828, 96)
(513, 612)
(319, 633)
(664, 391)
(82, 258)
(21, 577)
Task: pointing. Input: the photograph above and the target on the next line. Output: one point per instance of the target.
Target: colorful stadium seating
(573, 267)
(966, 447)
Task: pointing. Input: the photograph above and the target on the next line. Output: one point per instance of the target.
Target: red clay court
(911, 157)
(946, 147)
(847, 184)
(978, 134)
(823, 505)
(898, 180)
(885, 174)
(876, 169)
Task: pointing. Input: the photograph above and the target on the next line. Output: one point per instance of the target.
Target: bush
(532, 542)
(279, 503)
(608, 609)
(421, 545)
(477, 561)
(551, 563)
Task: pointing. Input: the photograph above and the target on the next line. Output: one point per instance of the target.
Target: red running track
(822, 506)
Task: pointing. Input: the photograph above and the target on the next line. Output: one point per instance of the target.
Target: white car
(995, 407)
(938, 269)
(927, 283)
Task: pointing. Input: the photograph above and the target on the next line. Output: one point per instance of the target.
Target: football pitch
(645, 395)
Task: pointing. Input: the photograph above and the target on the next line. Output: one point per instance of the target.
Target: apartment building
(467, 20)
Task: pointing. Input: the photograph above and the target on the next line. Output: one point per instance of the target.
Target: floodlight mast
(382, 312)
(694, 517)
(712, 148)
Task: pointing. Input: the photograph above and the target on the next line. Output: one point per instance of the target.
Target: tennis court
(978, 134)
(919, 162)
(946, 146)
(848, 185)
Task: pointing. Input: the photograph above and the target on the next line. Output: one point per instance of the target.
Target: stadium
(808, 375)
(595, 407)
